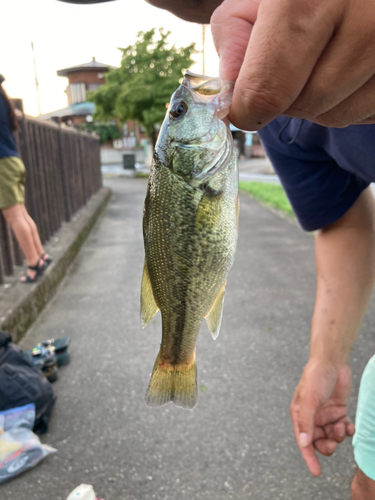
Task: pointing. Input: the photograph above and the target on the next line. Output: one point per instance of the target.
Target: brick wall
(86, 76)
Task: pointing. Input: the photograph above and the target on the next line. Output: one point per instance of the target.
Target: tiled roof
(94, 65)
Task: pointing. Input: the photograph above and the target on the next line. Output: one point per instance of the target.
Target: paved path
(238, 443)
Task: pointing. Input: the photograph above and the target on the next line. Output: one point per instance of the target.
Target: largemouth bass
(190, 231)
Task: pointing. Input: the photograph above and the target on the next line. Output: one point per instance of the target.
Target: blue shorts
(323, 170)
(364, 437)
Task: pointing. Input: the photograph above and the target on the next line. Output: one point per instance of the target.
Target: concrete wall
(114, 156)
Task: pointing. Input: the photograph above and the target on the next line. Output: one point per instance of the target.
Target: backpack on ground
(22, 383)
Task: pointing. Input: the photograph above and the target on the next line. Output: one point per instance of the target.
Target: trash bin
(128, 161)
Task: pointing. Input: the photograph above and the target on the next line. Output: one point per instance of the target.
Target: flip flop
(39, 271)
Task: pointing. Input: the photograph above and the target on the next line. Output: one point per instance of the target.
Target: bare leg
(34, 231)
(363, 488)
(14, 216)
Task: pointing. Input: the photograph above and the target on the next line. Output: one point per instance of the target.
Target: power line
(203, 43)
(36, 78)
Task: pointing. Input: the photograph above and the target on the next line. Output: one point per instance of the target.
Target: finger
(231, 26)
(308, 405)
(331, 414)
(294, 412)
(358, 108)
(350, 429)
(311, 460)
(339, 432)
(303, 424)
(319, 434)
(285, 44)
(326, 447)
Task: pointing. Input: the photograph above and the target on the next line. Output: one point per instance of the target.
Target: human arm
(196, 11)
(362, 487)
(311, 60)
(345, 267)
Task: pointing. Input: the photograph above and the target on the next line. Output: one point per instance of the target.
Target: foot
(33, 272)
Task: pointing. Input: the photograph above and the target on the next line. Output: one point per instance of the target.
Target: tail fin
(177, 383)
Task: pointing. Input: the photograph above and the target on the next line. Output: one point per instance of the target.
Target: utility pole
(36, 78)
(203, 42)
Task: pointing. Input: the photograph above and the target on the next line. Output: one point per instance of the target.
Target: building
(89, 77)
(81, 78)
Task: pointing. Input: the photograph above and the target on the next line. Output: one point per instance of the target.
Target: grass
(141, 175)
(271, 195)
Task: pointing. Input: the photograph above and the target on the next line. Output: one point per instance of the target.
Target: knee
(362, 487)
(10, 215)
(27, 217)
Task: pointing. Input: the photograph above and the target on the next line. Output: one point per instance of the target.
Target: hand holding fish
(303, 59)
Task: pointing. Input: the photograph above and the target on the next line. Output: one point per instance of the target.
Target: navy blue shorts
(323, 170)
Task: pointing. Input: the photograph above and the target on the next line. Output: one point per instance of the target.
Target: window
(76, 93)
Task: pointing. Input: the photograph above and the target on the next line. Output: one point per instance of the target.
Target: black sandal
(39, 271)
(48, 260)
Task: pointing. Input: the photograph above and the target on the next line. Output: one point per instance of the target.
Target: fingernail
(303, 440)
(341, 433)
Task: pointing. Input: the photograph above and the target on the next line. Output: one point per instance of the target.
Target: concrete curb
(21, 304)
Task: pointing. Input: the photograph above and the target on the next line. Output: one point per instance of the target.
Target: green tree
(105, 131)
(141, 87)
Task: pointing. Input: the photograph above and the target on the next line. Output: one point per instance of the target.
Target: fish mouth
(192, 145)
(198, 144)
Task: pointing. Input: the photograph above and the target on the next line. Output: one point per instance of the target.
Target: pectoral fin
(148, 305)
(213, 317)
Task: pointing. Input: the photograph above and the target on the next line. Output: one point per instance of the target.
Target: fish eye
(178, 109)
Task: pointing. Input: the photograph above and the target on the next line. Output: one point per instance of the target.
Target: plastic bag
(83, 492)
(20, 448)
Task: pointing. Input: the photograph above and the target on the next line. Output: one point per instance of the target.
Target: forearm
(197, 11)
(345, 266)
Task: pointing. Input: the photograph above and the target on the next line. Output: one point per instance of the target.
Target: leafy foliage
(142, 86)
(272, 195)
(105, 131)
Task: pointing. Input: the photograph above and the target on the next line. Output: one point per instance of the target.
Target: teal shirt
(364, 437)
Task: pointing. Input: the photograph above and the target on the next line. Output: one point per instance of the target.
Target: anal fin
(215, 313)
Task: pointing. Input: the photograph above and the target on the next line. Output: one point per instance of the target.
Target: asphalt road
(238, 442)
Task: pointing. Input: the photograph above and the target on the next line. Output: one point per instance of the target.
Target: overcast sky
(66, 35)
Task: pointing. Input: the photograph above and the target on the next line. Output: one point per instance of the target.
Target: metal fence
(63, 172)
